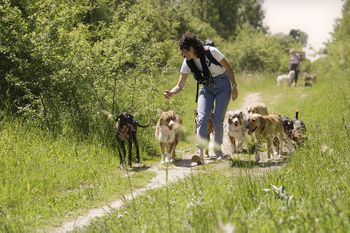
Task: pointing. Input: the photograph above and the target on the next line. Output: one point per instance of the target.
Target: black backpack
(202, 77)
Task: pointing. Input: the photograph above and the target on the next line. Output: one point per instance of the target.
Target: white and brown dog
(167, 133)
(236, 129)
(266, 127)
(258, 108)
(286, 78)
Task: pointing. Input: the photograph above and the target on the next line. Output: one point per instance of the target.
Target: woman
(218, 87)
(294, 60)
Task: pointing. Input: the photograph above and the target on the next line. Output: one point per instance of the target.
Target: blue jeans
(220, 93)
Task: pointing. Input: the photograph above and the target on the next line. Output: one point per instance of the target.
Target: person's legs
(222, 99)
(296, 76)
(205, 105)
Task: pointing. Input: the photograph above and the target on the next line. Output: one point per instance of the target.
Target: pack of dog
(126, 126)
(167, 132)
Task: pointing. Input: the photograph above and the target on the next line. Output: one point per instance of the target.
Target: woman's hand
(234, 93)
(167, 94)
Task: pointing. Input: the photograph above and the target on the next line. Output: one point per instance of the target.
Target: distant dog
(266, 127)
(126, 126)
(288, 78)
(236, 129)
(309, 79)
(258, 109)
(168, 133)
(209, 130)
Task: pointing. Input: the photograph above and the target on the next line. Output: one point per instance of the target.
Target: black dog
(126, 126)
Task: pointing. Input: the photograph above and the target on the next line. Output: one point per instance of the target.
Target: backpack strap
(211, 58)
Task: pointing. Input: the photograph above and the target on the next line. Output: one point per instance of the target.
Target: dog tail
(297, 114)
(139, 125)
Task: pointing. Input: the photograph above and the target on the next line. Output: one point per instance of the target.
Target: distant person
(294, 64)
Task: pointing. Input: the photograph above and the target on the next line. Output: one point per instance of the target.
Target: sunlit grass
(46, 179)
(309, 193)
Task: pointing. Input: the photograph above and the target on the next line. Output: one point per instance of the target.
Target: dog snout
(171, 124)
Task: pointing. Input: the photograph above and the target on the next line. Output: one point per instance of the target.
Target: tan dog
(266, 127)
(258, 109)
(168, 133)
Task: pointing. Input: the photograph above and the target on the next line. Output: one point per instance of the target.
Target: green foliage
(338, 49)
(255, 51)
(227, 16)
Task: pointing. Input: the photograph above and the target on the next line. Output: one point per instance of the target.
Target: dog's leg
(162, 151)
(137, 148)
(269, 147)
(130, 151)
(280, 148)
(233, 144)
(172, 152)
(256, 150)
(240, 145)
(121, 150)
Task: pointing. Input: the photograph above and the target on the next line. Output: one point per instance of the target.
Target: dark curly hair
(190, 39)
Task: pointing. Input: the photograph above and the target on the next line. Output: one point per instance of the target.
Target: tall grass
(315, 178)
(46, 179)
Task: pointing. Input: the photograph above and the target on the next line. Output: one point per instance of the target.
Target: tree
(299, 36)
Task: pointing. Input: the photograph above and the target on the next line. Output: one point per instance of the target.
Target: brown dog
(168, 133)
(126, 126)
(210, 129)
(266, 127)
(309, 79)
(258, 109)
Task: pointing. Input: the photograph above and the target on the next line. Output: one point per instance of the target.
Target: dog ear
(119, 116)
(159, 112)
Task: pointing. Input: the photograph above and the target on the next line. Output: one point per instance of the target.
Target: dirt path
(181, 169)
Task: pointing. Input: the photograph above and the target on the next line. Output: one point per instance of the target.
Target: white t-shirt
(215, 70)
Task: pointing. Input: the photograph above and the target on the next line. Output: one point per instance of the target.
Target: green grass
(316, 176)
(45, 180)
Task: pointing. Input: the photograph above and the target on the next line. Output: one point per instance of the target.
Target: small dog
(236, 129)
(309, 79)
(286, 78)
(258, 109)
(266, 127)
(209, 130)
(294, 129)
(126, 126)
(298, 133)
(168, 133)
